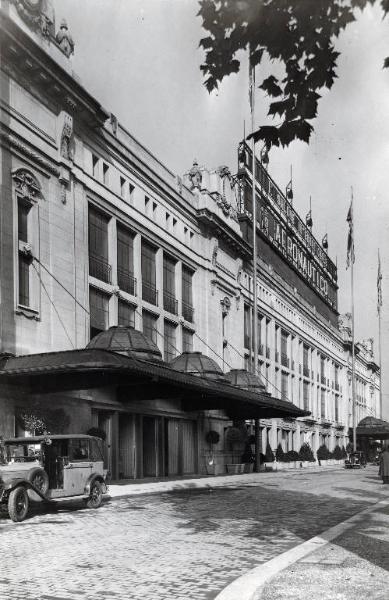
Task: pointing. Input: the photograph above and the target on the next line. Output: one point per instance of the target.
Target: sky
(141, 59)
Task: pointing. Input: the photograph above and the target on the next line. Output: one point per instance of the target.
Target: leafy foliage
(269, 454)
(323, 453)
(337, 453)
(39, 418)
(298, 34)
(280, 454)
(306, 453)
(292, 456)
(212, 437)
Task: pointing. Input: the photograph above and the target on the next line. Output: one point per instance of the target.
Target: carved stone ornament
(38, 14)
(26, 185)
(214, 254)
(179, 184)
(67, 141)
(64, 39)
(226, 305)
(195, 175)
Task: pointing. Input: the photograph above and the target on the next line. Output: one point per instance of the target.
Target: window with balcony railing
(247, 327)
(267, 352)
(188, 312)
(126, 314)
(170, 303)
(187, 299)
(125, 261)
(169, 340)
(323, 379)
(187, 340)
(306, 371)
(284, 360)
(306, 395)
(149, 290)
(277, 356)
(99, 266)
(150, 326)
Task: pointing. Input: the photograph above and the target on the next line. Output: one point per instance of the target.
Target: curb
(250, 585)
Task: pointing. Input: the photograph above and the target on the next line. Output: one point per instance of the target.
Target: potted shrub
(306, 454)
(323, 453)
(337, 453)
(212, 437)
(293, 458)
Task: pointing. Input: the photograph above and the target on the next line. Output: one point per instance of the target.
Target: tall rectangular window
(187, 301)
(125, 260)
(23, 260)
(169, 285)
(306, 395)
(150, 326)
(284, 386)
(323, 404)
(149, 290)
(187, 340)
(169, 341)
(98, 308)
(95, 166)
(247, 327)
(284, 349)
(126, 314)
(122, 187)
(336, 408)
(98, 246)
(105, 174)
(306, 361)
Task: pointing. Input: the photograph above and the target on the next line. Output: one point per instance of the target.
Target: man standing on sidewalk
(384, 465)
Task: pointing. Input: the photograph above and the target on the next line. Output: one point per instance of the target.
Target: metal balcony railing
(284, 360)
(323, 379)
(126, 281)
(99, 268)
(188, 313)
(170, 303)
(149, 293)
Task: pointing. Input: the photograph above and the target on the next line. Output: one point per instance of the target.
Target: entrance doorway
(152, 447)
(180, 447)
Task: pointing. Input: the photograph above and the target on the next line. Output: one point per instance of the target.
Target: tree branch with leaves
(299, 35)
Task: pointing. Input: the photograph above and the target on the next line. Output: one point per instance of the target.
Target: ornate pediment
(26, 185)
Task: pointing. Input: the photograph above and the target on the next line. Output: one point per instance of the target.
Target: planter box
(248, 468)
(235, 469)
(215, 469)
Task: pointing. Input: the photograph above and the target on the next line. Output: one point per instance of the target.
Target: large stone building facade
(96, 232)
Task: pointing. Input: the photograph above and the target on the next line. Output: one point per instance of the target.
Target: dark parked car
(355, 460)
(48, 468)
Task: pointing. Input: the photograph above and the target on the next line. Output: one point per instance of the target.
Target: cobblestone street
(176, 545)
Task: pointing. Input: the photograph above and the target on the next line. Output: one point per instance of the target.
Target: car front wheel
(18, 504)
(95, 496)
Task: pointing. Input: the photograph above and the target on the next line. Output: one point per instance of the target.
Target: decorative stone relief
(38, 14)
(179, 184)
(214, 254)
(67, 140)
(114, 124)
(26, 185)
(226, 305)
(64, 39)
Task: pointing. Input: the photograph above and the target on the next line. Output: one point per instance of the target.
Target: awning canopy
(374, 428)
(92, 368)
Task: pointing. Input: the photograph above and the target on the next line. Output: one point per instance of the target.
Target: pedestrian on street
(384, 465)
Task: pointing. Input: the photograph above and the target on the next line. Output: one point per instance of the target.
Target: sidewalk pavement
(353, 565)
(134, 488)
(347, 562)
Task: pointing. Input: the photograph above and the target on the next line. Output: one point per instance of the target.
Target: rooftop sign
(281, 226)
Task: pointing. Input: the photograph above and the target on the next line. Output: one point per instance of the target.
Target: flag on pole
(350, 239)
(379, 285)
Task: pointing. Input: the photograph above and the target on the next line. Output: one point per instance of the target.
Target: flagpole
(379, 304)
(352, 331)
(254, 229)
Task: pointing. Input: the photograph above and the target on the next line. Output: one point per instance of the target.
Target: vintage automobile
(355, 460)
(50, 467)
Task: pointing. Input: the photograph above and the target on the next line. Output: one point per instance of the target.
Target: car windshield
(12, 453)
